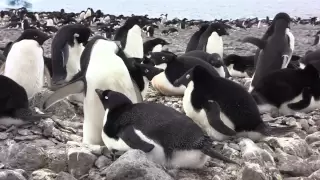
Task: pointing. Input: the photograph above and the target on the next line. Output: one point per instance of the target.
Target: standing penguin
(275, 52)
(130, 36)
(152, 128)
(66, 49)
(25, 64)
(211, 40)
(221, 107)
(101, 67)
(154, 45)
(194, 40)
(88, 13)
(14, 104)
(316, 39)
(183, 23)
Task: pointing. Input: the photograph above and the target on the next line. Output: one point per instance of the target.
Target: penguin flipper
(71, 88)
(255, 41)
(316, 41)
(304, 102)
(130, 137)
(137, 91)
(213, 114)
(286, 57)
(65, 54)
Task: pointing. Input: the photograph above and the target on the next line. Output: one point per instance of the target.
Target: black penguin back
(194, 40)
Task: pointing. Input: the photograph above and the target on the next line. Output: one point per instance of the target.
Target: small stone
(312, 129)
(24, 132)
(26, 138)
(311, 122)
(43, 174)
(234, 146)
(134, 165)
(304, 124)
(65, 176)
(57, 158)
(3, 135)
(315, 175)
(102, 161)
(313, 137)
(230, 152)
(11, 175)
(80, 160)
(253, 171)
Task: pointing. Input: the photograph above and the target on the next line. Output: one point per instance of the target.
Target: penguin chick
(152, 128)
(14, 106)
(238, 110)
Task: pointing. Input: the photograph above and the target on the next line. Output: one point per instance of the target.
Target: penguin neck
(175, 69)
(194, 95)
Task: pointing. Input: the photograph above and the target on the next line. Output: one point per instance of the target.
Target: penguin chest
(200, 116)
(157, 48)
(215, 44)
(134, 44)
(220, 71)
(161, 83)
(73, 64)
(25, 65)
(235, 73)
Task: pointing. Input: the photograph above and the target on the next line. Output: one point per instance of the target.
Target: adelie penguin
(149, 30)
(211, 40)
(275, 52)
(66, 49)
(221, 107)
(154, 45)
(174, 67)
(240, 66)
(14, 104)
(194, 40)
(116, 73)
(152, 128)
(24, 63)
(130, 36)
(289, 91)
(316, 39)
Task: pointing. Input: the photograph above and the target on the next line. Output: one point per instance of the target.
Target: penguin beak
(99, 92)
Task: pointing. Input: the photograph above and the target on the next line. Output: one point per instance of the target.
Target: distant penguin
(240, 66)
(289, 91)
(316, 40)
(88, 13)
(164, 19)
(211, 40)
(25, 64)
(213, 59)
(183, 23)
(275, 52)
(81, 15)
(14, 105)
(101, 67)
(50, 22)
(259, 24)
(152, 128)
(66, 49)
(221, 107)
(194, 40)
(149, 30)
(311, 58)
(174, 67)
(154, 45)
(130, 36)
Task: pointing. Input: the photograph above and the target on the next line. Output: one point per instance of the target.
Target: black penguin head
(231, 59)
(34, 34)
(162, 57)
(135, 20)
(185, 79)
(148, 71)
(147, 61)
(80, 33)
(215, 60)
(203, 27)
(160, 41)
(112, 99)
(219, 28)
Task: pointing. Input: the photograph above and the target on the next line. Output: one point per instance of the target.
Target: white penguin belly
(235, 73)
(221, 71)
(106, 70)
(25, 65)
(134, 43)
(163, 85)
(215, 44)
(157, 48)
(73, 64)
(200, 118)
(285, 110)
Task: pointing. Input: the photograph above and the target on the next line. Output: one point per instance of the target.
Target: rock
(135, 165)
(315, 175)
(65, 176)
(3, 135)
(252, 153)
(102, 161)
(11, 175)
(304, 124)
(253, 171)
(26, 157)
(230, 152)
(80, 160)
(94, 149)
(49, 130)
(57, 158)
(294, 146)
(297, 178)
(26, 138)
(313, 137)
(43, 174)
(312, 129)
(24, 132)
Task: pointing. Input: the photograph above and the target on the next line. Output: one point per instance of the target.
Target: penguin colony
(110, 74)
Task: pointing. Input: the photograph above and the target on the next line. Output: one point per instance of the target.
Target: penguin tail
(208, 150)
(267, 130)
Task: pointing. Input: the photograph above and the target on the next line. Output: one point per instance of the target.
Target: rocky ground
(51, 149)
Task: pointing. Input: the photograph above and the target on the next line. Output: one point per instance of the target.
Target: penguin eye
(188, 76)
(35, 36)
(163, 58)
(146, 71)
(106, 97)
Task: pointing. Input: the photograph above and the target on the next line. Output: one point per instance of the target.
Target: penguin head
(81, 33)
(148, 71)
(160, 41)
(231, 59)
(215, 60)
(135, 20)
(34, 34)
(163, 57)
(219, 28)
(203, 27)
(185, 78)
(195, 74)
(112, 99)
